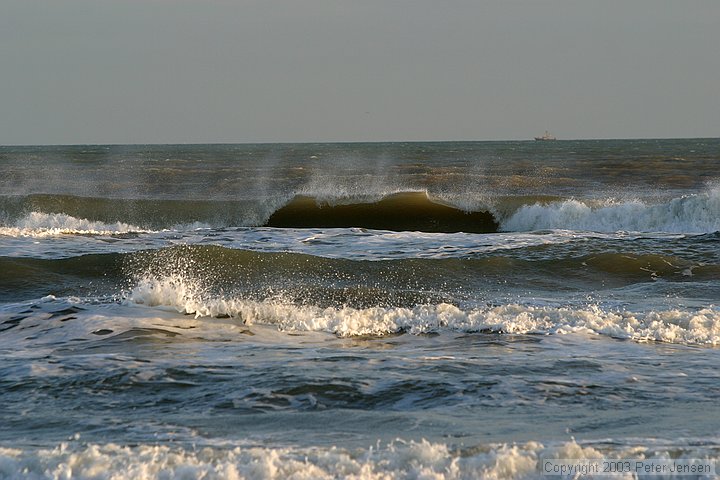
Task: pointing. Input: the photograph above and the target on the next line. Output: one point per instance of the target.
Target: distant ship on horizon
(546, 137)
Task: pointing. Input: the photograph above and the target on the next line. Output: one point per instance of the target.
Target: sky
(206, 71)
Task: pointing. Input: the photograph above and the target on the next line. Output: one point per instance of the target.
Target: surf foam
(689, 214)
(672, 326)
(399, 459)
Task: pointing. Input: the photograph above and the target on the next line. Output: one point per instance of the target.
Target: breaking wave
(671, 326)
(397, 211)
(689, 214)
(38, 224)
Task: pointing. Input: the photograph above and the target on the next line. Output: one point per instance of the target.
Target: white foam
(399, 459)
(689, 214)
(37, 224)
(673, 326)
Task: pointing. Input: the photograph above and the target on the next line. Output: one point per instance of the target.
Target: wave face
(388, 277)
(412, 211)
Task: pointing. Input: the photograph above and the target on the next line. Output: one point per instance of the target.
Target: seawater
(398, 310)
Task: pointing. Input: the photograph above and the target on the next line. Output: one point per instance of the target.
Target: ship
(546, 137)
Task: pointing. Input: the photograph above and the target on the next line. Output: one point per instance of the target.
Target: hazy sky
(166, 71)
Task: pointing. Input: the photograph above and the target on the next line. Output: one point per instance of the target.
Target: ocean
(362, 310)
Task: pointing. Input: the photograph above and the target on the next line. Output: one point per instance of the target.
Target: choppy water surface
(438, 310)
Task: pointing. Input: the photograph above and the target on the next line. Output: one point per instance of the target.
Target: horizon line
(342, 142)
